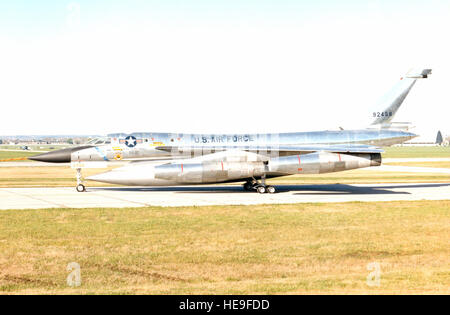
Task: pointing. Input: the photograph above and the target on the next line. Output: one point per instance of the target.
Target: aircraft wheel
(271, 189)
(261, 189)
(81, 188)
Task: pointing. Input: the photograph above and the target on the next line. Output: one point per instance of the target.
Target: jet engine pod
(322, 162)
(208, 172)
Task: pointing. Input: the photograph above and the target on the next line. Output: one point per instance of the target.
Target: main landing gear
(80, 186)
(261, 187)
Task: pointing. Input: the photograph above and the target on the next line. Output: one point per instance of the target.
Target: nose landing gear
(80, 186)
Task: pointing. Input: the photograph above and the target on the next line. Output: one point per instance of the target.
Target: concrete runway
(67, 197)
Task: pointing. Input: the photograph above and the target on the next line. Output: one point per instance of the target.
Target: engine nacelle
(322, 162)
(209, 172)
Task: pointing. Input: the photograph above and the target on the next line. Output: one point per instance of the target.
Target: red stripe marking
(222, 164)
(299, 161)
(181, 168)
(339, 157)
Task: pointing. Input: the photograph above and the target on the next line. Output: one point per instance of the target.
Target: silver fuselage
(201, 159)
(151, 145)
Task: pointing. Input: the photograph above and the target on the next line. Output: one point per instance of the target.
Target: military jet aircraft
(163, 159)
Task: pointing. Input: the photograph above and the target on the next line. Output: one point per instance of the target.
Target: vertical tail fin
(394, 99)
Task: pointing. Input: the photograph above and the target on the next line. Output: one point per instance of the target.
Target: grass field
(421, 164)
(417, 152)
(273, 249)
(4, 155)
(52, 176)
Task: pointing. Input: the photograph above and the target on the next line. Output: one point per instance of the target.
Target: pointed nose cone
(58, 156)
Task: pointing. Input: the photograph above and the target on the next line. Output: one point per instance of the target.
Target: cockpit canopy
(99, 141)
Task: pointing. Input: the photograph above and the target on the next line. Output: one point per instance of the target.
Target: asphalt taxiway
(120, 197)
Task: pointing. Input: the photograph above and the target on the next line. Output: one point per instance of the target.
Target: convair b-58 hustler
(164, 159)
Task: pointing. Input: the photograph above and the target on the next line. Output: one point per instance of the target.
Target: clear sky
(96, 67)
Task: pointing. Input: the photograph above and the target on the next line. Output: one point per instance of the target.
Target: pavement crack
(143, 204)
(36, 198)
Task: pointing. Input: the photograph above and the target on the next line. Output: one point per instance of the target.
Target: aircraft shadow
(325, 189)
(344, 189)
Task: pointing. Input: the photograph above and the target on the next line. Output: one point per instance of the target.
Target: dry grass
(417, 152)
(422, 164)
(51, 176)
(274, 249)
(5, 155)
